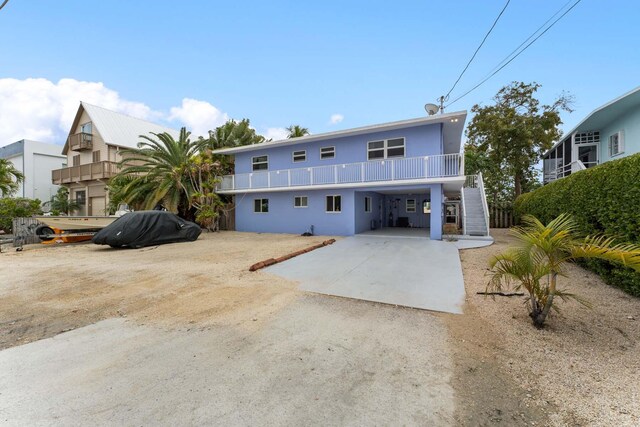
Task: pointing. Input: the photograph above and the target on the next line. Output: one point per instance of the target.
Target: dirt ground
(582, 369)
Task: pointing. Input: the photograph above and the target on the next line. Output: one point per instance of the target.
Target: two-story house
(93, 148)
(610, 132)
(408, 173)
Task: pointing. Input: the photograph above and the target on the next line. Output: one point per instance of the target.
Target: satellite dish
(431, 109)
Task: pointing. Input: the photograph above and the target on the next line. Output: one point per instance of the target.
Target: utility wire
(518, 54)
(446, 97)
(3, 3)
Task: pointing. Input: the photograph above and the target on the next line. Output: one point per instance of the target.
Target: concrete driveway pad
(411, 272)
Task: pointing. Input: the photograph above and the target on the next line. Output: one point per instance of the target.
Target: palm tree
(159, 166)
(232, 134)
(541, 255)
(296, 131)
(10, 178)
(61, 202)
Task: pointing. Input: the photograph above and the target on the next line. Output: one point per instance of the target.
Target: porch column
(437, 206)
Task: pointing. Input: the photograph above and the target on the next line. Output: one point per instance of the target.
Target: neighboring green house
(610, 132)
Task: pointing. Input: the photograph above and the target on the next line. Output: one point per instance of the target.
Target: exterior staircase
(475, 211)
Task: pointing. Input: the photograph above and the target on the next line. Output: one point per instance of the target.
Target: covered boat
(147, 228)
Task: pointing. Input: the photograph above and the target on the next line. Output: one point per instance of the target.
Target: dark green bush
(16, 208)
(604, 199)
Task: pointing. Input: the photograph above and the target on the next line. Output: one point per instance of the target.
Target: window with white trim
(426, 207)
(385, 149)
(327, 153)
(367, 204)
(411, 205)
(260, 163)
(334, 204)
(299, 156)
(300, 202)
(260, 205)
(616, 144)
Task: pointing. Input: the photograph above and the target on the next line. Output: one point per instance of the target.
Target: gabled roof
(116, 128)
(603, 115)
(453, 124)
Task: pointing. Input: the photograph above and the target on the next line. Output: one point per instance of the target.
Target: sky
(324, 65)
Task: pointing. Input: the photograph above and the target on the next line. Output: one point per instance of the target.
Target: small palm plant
(541, 255)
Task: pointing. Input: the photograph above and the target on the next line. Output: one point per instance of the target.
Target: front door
(81, 200)
(588, 155)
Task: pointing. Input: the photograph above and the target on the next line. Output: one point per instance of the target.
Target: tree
(232, 134)
(10, 178)
(296, 131)
(513, 134)
(19, 207)
(61, 202)
(157, 171)
(541, 255)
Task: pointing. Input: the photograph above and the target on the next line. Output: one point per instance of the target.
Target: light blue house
(406, 174)
(610, 132)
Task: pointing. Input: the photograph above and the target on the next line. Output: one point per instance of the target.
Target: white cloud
(40, 109)
(198, 116)
(276, 133)
(336, 118)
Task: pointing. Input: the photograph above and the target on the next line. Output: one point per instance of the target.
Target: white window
(261, 205)
(616, 144)
(300, 202)
(334, 204)
(411, 205)
(385, 149)
(367, 204)
(86, 128)
(299, 156)
(426, 207)
(327, 152)
(260, 163)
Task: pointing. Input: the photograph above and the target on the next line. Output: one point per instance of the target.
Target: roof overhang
(453, 125)
(603, 115)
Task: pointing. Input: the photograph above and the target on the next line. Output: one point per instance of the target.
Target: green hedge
(603, 199)
(11, 208)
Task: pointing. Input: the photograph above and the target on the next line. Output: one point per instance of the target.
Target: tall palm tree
(159, 166)
(10, 178)
(296, 131)
(541, 255)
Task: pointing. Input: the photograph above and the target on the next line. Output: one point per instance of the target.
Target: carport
(404, 270)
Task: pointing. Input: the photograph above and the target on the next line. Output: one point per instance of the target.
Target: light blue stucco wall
(419, 141)
(629, 124)
(283, 217)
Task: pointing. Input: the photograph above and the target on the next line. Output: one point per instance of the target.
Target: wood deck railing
(87, 172)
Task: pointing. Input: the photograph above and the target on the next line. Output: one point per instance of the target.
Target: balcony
(397, 171)
(88, 172)
(81, 141)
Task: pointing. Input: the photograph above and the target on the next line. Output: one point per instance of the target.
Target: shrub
(604, 199)
(11, 208)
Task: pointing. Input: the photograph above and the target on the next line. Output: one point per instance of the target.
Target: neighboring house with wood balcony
(610, 132)
(406, 174)
(93, 149)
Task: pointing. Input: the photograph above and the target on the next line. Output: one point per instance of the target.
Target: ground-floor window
(334, 204)
(300, 202)
(261, 205)
(426, 207)
(367, 204)
(411, 205)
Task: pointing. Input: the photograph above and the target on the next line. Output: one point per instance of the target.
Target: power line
(3, 3)
(446, 97)
(518, 54)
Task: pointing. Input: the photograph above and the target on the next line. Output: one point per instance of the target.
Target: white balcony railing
(401, 169)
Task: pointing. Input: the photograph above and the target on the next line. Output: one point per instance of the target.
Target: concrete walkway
(406, 271)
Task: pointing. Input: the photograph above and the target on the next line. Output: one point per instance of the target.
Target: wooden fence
(228, 217)
(501, 216)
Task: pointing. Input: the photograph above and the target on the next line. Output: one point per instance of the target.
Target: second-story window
(385, 149)
(299, 156)
(76, 160)
(260, 163)
(86, 128)
(96, 156)
(327, 152)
